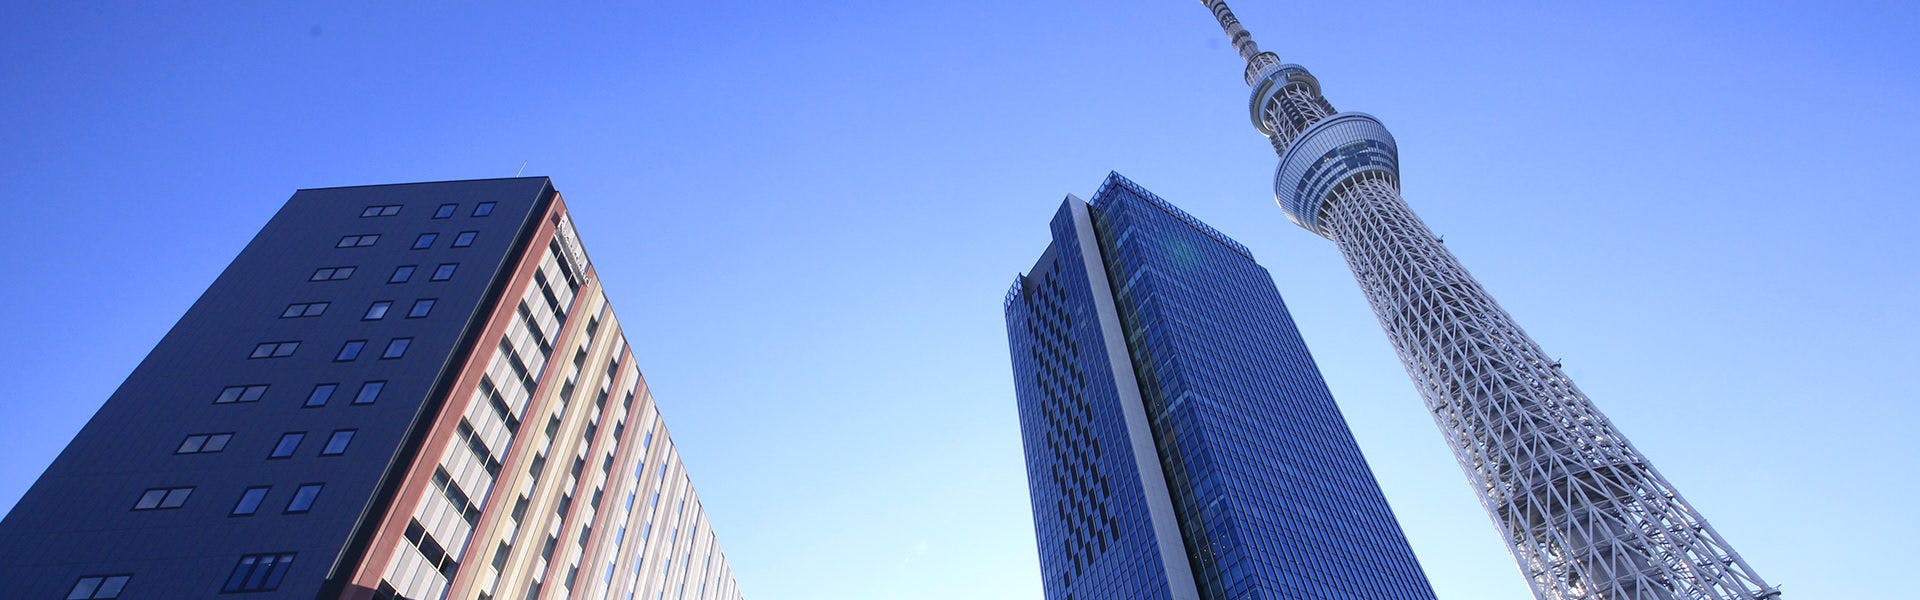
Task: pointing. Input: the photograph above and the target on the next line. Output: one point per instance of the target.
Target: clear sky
(807, 215)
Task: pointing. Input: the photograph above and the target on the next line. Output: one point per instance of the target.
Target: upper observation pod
(1329, 153)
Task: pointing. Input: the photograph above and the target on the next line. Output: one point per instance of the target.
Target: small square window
(258, 573)
(357, 241)
(444, 271)
(402, 273)
(321, 394)
(396, 348)
(303, 498)
(383, 210)
(445, 211)
(288, 444)
(331, 274)
(204, 443)
(377, 311)
(464, 239)
(97, 587)
(274, 350)
(159, 498)
(337, 443)
(420, 308)
(425, 241)
(483, 209)
(250, 500)
(240, 393)
(304, 309)
(350, 350)
(369, 392)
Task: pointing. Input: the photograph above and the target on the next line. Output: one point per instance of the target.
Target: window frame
(280, 349)
(483, 209)
(464, 239)
(426, 240)
(255, 391)
(206, 439)
(397, 277)
(313, 498)
(383, 306)
(390, 352)
(265, 571)
(324, 398)
(379, 387)
(327, 449)
(446, 211)
(303, 310)
(254, 509)
(299, 438)
(447, 268)
(332, 273)
(350, 351)
(422, 308)
(99, 586)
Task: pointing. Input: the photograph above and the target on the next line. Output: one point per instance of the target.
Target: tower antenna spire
(1258, 63)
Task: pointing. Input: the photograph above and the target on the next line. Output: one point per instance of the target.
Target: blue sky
(807, 216)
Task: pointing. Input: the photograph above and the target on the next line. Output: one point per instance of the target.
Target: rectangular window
(258, 573)
(331, 274)
(288, 444)
(304, 309)
(204, 443)
(321, 394)
(402, 274)
(396, 348)
(377, 311)
(159, 498)
(94, 587)
(444, 271)
(369, 392)
(420, 308)
(274, 350)
(384, 210)
(483, 209)
(250, 501)
(240, 393)
(425, 241)
(350, 350)
(464, 239)
(303, 498)
(337, 443)
(357, 241)
(445, 211)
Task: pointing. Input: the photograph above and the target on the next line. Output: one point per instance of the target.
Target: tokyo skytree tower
(1585, 514)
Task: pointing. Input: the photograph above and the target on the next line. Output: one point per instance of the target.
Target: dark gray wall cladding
(77, 519)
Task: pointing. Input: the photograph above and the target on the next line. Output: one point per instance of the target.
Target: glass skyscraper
(1180, 443)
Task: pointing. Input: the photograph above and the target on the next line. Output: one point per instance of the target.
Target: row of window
(396, 347)
(445, 211)
(401, 274)
(235, 394)
(250, 500)
(425, 241)
(254, 573)
(376, 311)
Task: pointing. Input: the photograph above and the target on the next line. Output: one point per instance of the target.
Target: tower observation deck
(1585, 514)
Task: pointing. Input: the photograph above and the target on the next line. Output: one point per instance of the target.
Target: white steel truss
(1584, 513)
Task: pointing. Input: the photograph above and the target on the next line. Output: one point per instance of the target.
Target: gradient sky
(807, 216)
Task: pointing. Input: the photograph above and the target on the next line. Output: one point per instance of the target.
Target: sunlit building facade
(1180, 442)
(398, 391)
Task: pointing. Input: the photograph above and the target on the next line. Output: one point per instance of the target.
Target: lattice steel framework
(1584, 513)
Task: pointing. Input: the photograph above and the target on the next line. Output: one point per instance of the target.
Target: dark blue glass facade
(1272, 497)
